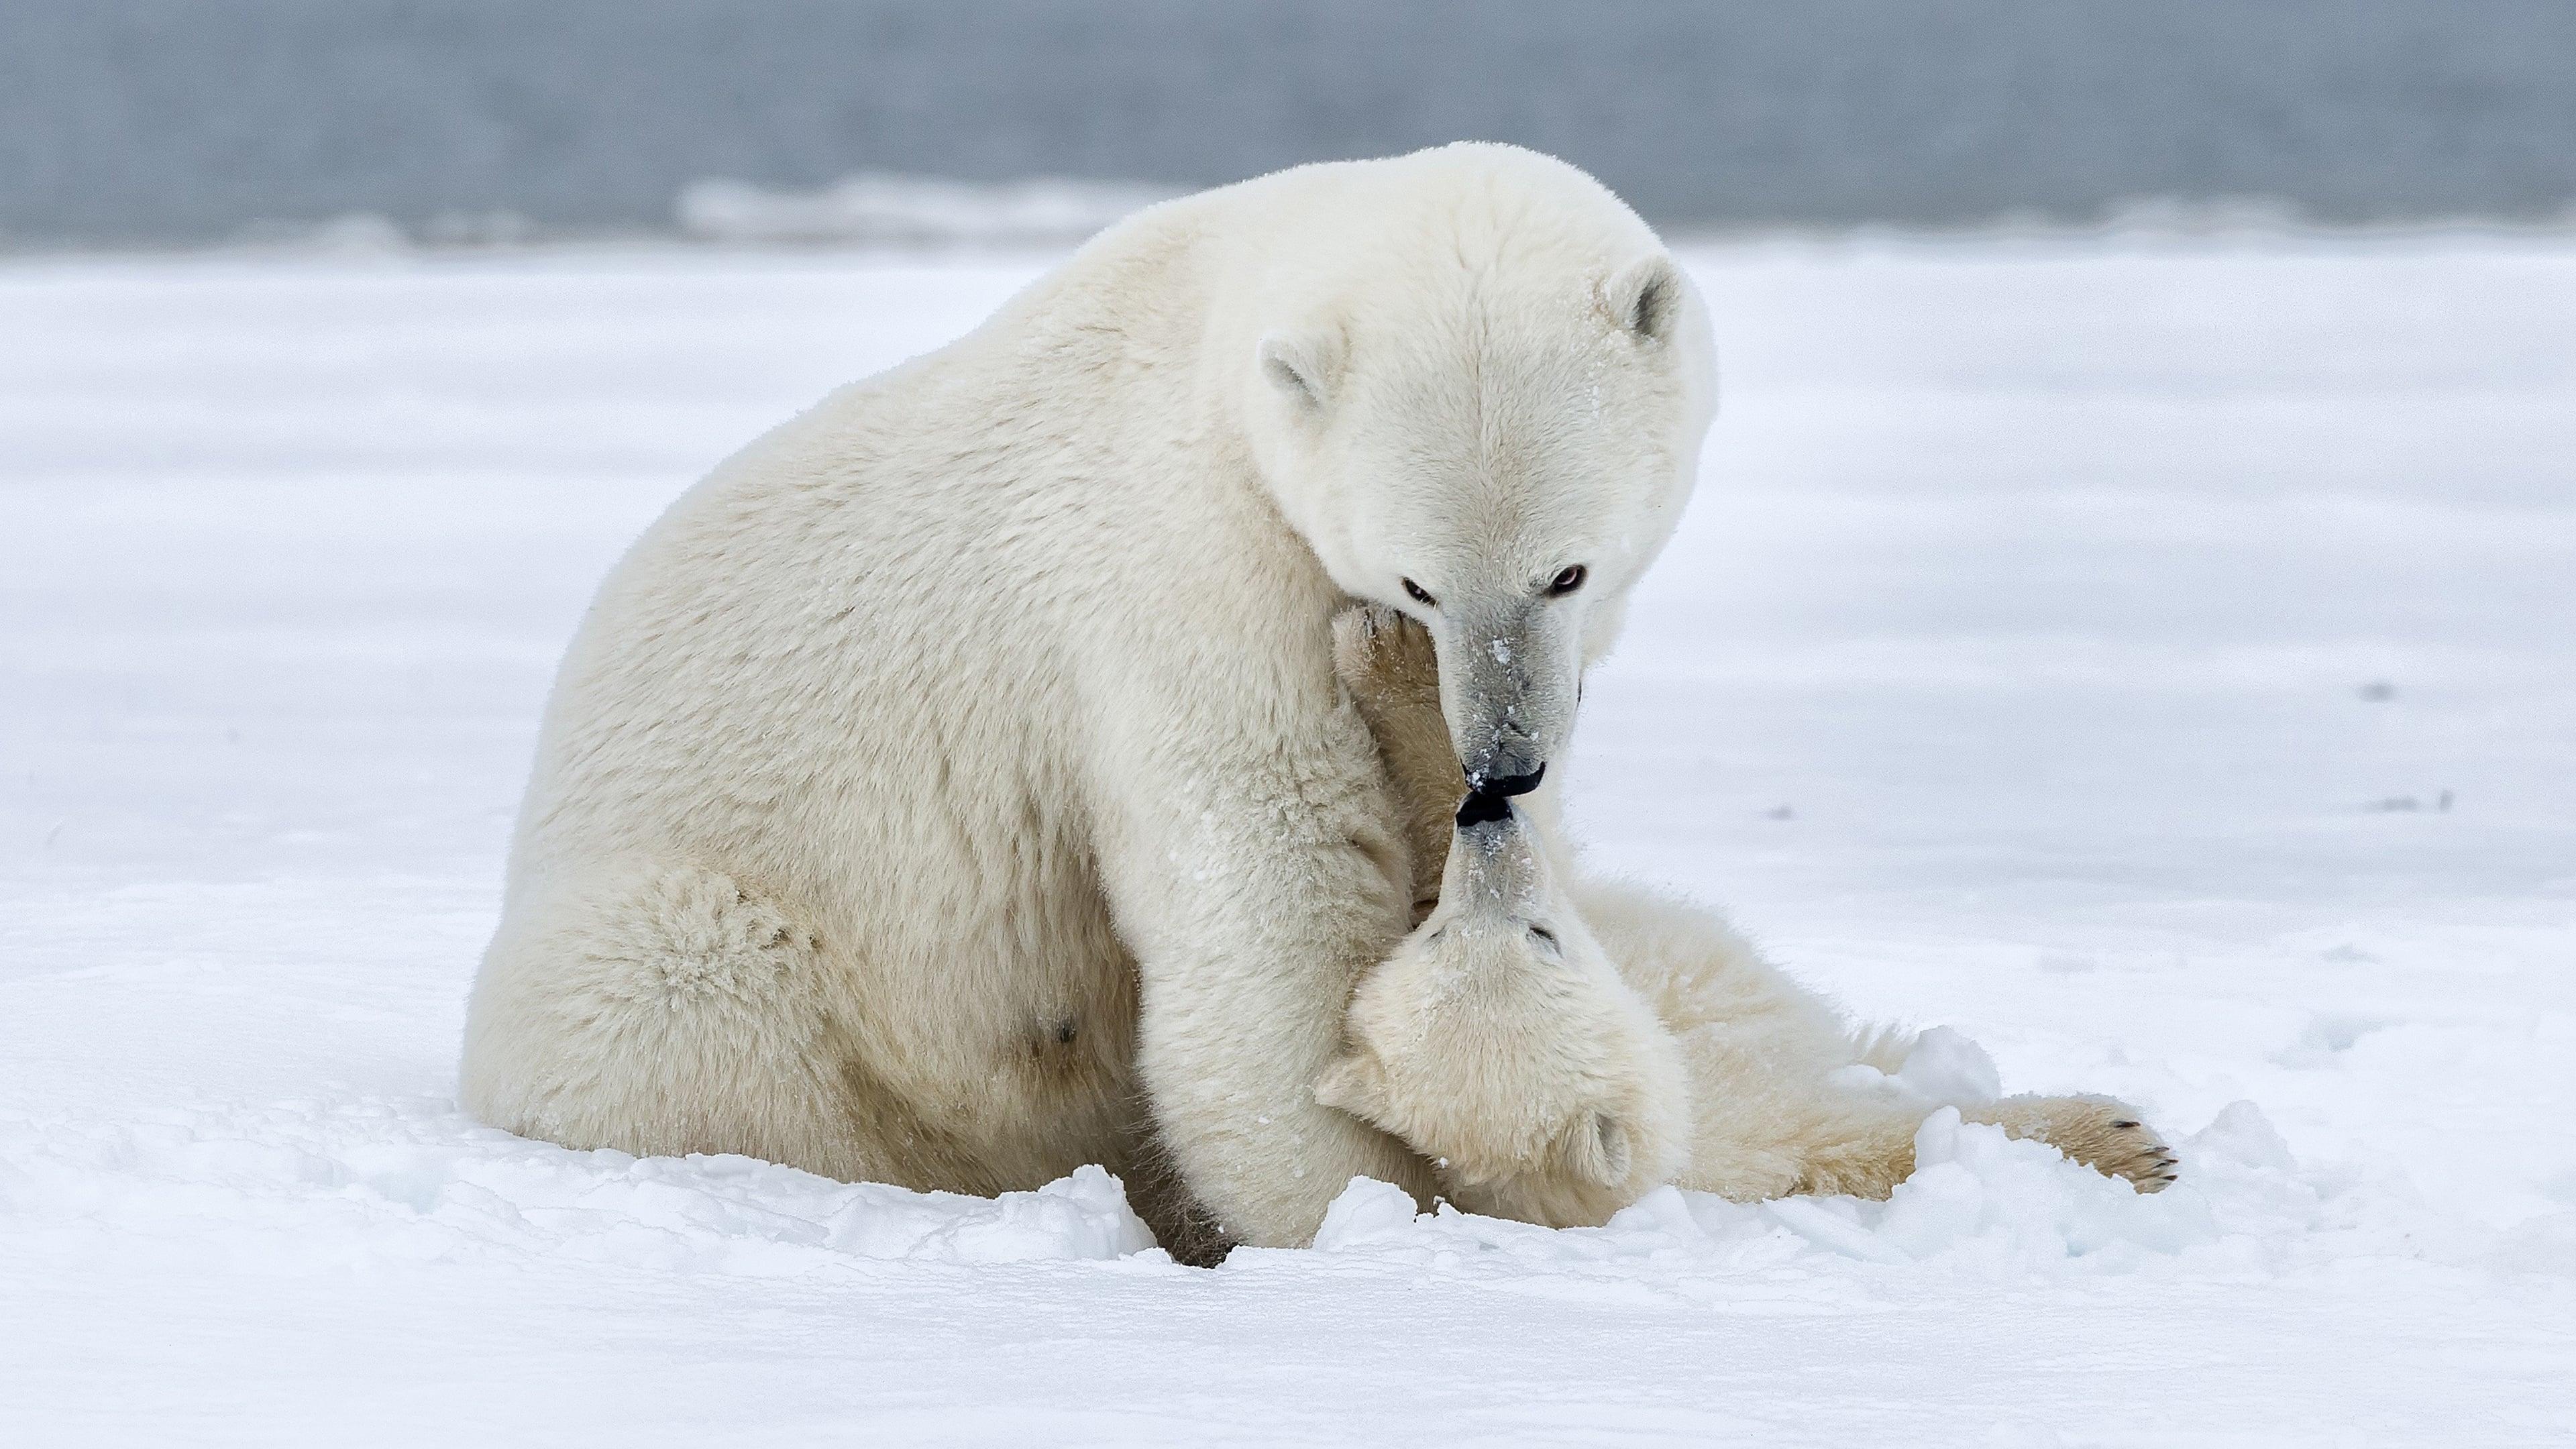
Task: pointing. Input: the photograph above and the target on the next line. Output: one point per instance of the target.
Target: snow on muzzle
(1508, 679)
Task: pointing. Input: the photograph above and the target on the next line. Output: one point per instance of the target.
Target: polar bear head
(1477, 385)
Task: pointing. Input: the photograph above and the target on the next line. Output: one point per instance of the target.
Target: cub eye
(1416, 592)
(1544, 935)
(1568, 580)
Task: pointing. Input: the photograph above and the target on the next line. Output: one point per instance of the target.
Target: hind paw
(2103, 1134)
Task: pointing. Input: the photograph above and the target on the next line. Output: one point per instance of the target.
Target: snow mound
(1944, 1068)
(1978, 1201)
(308, 1184)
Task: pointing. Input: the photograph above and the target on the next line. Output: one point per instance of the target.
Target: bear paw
(2103, 1134)
(1385, 659)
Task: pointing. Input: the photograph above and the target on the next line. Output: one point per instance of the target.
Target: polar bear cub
(1501, 1042)
(1778, 1094)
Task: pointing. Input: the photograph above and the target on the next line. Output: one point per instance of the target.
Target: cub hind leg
(2103, 1133)
(1770, 1115)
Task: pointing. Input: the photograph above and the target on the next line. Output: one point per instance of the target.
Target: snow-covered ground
(2156, 660)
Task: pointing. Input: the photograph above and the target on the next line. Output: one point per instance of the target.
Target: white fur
(953, 788)
(1772, 1110)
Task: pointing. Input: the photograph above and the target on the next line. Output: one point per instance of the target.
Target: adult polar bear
(954, 787)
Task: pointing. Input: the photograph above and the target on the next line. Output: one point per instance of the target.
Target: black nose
(1481, 808)
(1493, 801)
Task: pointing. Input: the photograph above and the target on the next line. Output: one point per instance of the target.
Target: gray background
(157, 121)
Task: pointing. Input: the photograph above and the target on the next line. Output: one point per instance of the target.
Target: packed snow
(2148, 661)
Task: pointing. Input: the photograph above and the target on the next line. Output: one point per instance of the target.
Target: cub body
(1776, 1094)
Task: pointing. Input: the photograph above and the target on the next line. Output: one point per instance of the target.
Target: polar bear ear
(1596, 1147)
(1356, 1084)
(1299, 364)
(1645, 297)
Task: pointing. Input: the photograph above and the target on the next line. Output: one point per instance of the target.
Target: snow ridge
(307, 1185)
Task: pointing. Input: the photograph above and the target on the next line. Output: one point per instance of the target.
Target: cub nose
(1493, 802)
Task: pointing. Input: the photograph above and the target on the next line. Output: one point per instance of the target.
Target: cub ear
(1645, 297)
(1300, 364)
(1596, 1147)
(1356, 1084)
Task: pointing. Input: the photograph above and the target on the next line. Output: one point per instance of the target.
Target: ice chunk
(1367, 1210)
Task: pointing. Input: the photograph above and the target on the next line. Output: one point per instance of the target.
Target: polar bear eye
(1567, 580)
(1420, 595)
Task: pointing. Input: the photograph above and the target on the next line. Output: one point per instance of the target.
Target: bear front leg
(1253, 892)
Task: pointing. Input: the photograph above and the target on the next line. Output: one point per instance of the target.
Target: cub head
(1479, 394)
(1500, 1040)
